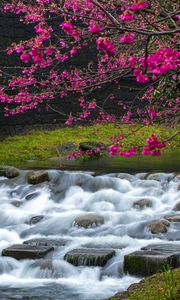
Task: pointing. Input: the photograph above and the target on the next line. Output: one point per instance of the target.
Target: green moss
(161, 286)
(40, 145)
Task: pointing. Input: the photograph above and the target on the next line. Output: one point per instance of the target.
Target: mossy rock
(152, 259)
(9, 172)
(85, 146)
(26, 251)
(36, 177)
(89, 257)
(66, 148)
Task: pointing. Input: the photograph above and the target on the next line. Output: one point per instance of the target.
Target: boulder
(89, 257)
(26, 251)
(142, 203)
(85, 146)
(9, 172)
(66, 148)
(154, 176)
(174, 218)
(88, 220)
(157, 227)
(152, 259)
(35, 219)
(36, 177)
(177, 206)
(46, 242)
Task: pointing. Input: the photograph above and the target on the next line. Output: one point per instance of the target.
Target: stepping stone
(89, 257)
(46, 242)
(89, 220)
(36, 177)
(151, 259)
(104, 246)
(26, 251)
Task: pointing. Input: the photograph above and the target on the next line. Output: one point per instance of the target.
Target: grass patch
(40, 145)
(161, 286)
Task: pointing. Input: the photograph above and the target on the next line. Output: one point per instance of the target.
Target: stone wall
(12, 30)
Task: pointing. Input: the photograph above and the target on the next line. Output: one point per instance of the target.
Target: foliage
(41, 145)
(161, 286)
(136, 38)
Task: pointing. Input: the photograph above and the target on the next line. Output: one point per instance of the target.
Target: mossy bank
(161, 286)
(43, 145)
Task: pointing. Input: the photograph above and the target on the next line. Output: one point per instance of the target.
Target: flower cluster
(153, 146)
(105, 45)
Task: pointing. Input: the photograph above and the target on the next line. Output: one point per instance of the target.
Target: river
(67, 196)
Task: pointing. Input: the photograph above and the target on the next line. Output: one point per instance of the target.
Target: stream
(67, 196)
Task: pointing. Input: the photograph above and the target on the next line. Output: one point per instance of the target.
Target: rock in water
(152, 259)
(177, 206)
(35, 219)
(46, 242)
(89, 257)
(26, 251)
(174, 218)
(142, 203)
(9, 172)
(36, 177)
(89, 220)
(157, 227)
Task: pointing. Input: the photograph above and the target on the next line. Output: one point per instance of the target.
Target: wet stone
(89, 220)
(174, 218)
(36, 177)
(158, 227)
(89, 257)
(142, 203)
(104, 246)
(31, 196)
(152, 259)
(35, 220)
(177, 206)
(9, 172)
(16, 203)
(26, 251)
(46, 242)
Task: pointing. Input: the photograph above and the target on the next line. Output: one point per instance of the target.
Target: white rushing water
(67, 196)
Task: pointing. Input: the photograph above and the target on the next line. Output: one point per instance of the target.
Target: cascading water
(59, 202)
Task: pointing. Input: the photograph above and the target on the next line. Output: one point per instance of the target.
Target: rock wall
(12, 30)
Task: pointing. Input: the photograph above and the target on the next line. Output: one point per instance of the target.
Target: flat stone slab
(152, 259)
(46, 242)
(89, 257)
(26, 251)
